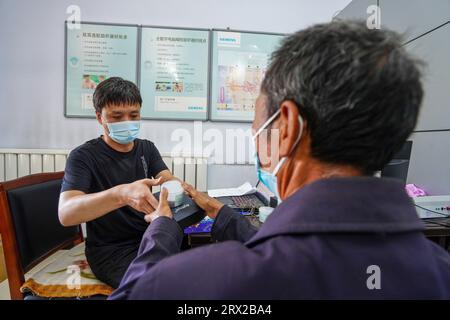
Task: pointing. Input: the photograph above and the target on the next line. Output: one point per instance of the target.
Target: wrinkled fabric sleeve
(231, 225)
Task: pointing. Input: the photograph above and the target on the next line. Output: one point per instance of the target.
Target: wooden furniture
(2, 262)
(29, 225)
(438, 230)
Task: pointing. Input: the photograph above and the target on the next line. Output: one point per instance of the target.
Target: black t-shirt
(94, 167)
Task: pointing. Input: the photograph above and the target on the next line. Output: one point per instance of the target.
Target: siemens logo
(227, 40)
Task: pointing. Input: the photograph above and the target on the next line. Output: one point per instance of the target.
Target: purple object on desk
(414, 191)
(203, 226)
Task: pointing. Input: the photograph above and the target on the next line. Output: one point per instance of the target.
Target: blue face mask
(124, 132)
(269, 179)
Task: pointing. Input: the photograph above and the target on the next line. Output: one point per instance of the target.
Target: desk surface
(437, 227)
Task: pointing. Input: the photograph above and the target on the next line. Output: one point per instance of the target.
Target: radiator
(15, 163)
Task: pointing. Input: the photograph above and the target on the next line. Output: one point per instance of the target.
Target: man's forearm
(87, 207)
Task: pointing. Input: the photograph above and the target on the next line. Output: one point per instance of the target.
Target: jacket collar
(344, 205)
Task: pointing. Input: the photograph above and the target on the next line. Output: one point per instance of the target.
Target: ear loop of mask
(265, 124)
(278, 166)
(258, 132)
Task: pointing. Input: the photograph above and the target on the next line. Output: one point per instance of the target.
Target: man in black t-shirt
(107, 182)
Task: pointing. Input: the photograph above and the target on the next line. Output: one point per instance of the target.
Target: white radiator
(15, 163)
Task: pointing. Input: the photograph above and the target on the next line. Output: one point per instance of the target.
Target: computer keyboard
(249, 201)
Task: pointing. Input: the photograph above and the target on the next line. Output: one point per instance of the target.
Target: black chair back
(34, 211)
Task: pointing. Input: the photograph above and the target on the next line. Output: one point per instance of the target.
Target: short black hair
(358, 89)
(116, 91)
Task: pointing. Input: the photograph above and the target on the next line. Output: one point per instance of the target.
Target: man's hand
(138, 195)
(210, 205)
(163, 208)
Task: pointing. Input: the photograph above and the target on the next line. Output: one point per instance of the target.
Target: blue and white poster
(174, 73)
(95, 52)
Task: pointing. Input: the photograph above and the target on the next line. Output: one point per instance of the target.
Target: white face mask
(269, 179)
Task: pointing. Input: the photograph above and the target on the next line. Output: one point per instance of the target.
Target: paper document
(246, 188)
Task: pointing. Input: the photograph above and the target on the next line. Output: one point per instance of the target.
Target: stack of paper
(246, 188)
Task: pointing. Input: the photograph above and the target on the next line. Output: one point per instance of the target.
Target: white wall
(426, 28)
(32, 62)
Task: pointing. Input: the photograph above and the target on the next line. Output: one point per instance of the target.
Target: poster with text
(95, 52)
(239, 62)
(174, 73)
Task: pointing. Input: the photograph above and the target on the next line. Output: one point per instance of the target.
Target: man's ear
(99, 117)
(289, 127)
